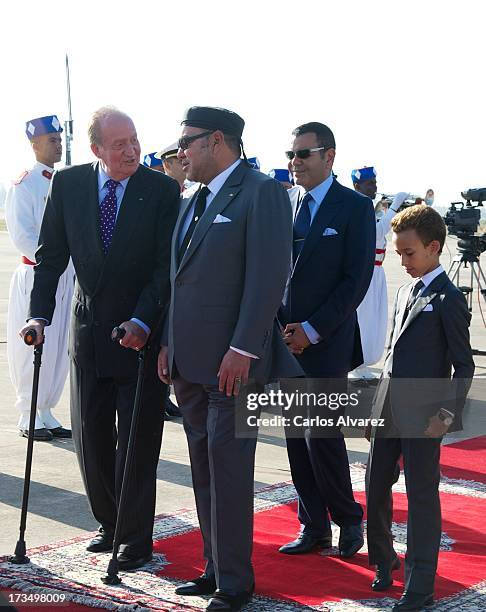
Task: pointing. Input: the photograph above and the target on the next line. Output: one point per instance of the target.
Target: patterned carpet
(319, 581)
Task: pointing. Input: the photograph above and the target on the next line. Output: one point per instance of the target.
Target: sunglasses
(303, 153)
(186, 141)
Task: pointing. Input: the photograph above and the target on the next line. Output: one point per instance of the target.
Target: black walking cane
(19, 557)
(112, 571)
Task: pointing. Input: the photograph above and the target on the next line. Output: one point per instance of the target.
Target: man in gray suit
(230, 260)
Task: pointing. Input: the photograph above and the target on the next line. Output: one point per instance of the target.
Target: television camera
(462, 220)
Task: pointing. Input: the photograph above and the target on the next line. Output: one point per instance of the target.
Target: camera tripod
(461, 260)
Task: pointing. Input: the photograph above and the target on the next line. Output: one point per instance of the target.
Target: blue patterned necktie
(108, 214)
(302, 225)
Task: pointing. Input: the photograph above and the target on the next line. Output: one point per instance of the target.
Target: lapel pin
(231, 195)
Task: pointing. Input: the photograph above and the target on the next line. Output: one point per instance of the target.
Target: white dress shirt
(429, 277)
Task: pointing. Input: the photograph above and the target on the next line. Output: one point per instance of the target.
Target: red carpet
(310, 579)
(314, 578)
(465, 460)
(312, 582)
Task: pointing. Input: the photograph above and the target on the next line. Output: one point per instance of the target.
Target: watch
(445, 417)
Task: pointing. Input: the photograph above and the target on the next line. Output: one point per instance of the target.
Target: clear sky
(400, 83)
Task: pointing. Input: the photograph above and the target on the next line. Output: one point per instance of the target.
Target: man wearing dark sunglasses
(333, 257)
(230, 261)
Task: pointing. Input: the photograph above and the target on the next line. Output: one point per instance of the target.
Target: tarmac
(58, 508)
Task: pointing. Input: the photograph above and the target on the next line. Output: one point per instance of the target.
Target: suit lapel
(400, 312)
(131, 209)
(327, 209)
(295, 196)
(88, 211)
(421, 302)
(186, 204)
(225, 195)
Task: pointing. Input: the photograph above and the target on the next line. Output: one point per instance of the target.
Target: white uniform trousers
(372, 319)
(55, 364)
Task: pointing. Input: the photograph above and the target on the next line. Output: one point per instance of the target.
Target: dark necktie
(199, 208)
(411, 299)
(302, 225)
(108, 214)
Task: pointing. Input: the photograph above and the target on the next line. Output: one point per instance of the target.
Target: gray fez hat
(212, 118)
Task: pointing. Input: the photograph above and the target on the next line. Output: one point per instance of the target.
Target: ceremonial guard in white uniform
(373, 310)
(24, 208)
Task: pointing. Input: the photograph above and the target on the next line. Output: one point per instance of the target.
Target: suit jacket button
(96, 323)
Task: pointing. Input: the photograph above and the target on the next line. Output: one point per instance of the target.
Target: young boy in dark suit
(419, 403)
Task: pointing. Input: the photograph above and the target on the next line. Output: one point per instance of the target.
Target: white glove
(398, 200)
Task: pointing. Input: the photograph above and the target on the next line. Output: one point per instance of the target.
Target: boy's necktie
(411, 299)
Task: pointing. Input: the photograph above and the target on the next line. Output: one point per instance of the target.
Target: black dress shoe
(103, 542)
(383, 577)
(350, 540)
(204, 585)
(229, 602)
(40, 435)
(61, 432)
(305, 543)
(171, 410)
(413, 601)
(127, 563)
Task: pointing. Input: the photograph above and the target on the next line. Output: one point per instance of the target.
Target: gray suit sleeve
(267, 262)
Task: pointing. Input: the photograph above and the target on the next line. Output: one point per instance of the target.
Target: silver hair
(97, 118)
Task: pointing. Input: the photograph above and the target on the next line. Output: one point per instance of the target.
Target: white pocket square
(428, 308)
(221, 219)
(329, 231)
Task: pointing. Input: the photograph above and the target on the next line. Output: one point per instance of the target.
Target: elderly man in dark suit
(230, 260)
(115, 219)
(333, 258)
